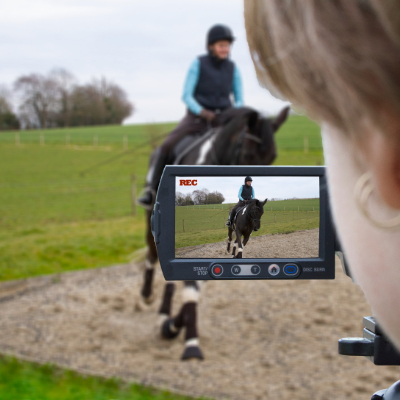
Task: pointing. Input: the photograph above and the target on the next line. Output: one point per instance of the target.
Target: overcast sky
(285, 187)
(146, 46)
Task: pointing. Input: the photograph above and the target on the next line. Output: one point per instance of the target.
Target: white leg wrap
(172, 327)
(190, 294)
(192, 342)
(234, 245)
(240, 249)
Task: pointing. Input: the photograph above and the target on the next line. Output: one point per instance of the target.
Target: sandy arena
(300, 244)
(261, 340)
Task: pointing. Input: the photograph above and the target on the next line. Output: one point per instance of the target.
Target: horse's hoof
(143, 303)
(167, 332)
(239, 255)
(192, 353)
(149, 300)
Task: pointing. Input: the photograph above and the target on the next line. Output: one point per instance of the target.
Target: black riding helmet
(248, 178)
(219, 32)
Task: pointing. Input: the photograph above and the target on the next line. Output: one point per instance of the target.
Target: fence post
(298, 209)
(125, 142)
(305, 144)
(275, 217)
(284, 208)
(133, 193)
(293, 215)
(183, 224)
(17, 142)
(306, 214)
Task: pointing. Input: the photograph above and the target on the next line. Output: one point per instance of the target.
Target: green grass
(204, 224)
(53, 219)
(30, 381)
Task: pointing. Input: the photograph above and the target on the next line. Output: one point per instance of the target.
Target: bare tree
(8, 120)
(65, 82)
(38, 99)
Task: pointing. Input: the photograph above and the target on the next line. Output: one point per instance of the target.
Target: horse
(248, 219)
(244, 137)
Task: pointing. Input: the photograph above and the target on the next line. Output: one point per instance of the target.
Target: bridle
(251, 214)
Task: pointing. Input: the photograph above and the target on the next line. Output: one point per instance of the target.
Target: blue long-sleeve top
(240, 193)
(191, 82)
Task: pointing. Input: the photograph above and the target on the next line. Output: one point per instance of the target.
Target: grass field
(197, 225)
(29, 381)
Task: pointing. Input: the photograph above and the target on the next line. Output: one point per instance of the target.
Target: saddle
(237, 213)
(187, 144)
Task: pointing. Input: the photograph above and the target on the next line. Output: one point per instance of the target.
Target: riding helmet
(219, 32)
(248, 178)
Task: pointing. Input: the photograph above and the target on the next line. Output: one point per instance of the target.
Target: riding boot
(148, 197)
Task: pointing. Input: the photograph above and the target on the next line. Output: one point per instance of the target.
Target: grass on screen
(206, 224)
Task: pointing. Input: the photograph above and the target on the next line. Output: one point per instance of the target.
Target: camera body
(268, 181)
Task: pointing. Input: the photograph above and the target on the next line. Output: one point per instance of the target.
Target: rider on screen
(210, 83)
(246, 193)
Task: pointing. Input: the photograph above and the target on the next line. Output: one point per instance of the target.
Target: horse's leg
(230, 231)
(235, 245)
(240, 246)
(168, 331)
(151, 261)
(245, 240)
(191, 295)
(187, 317)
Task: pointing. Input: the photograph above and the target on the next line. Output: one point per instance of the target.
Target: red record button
(217, 270)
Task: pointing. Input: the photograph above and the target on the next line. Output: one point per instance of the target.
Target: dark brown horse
(248, 219)
(244, 138)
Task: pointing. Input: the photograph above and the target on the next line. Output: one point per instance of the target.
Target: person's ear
(383, 160)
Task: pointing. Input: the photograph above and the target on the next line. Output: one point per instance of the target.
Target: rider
(246, 193)
(210, 82)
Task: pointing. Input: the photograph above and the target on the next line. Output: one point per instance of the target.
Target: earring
(362, 192)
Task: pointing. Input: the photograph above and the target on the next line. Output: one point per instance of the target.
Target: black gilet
(215, 83)
(247, 192)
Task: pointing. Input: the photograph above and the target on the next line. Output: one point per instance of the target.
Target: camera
(282, 230)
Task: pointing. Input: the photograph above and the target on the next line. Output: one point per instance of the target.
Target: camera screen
(279, 216)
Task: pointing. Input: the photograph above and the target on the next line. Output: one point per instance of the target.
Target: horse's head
(256, 211)
(258, 147)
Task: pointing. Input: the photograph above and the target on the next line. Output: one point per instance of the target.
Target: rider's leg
(233, 212)
(190, 124)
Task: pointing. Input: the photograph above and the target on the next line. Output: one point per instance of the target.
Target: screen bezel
(322, 267)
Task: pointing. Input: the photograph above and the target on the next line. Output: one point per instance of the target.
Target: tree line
(57, 100)
(199, 197)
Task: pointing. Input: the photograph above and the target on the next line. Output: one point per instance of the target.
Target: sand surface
(261, 340)
(300, 244)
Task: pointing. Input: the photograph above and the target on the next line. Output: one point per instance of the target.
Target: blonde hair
(338, 60)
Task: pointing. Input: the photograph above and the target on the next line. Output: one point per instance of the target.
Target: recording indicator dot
(217, 270)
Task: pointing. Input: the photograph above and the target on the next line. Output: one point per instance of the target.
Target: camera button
(255, 269)
(236, 270)
(291, 269)
(274, 269)
(217, 270)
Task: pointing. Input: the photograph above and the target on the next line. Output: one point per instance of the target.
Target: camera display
(282, 214)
